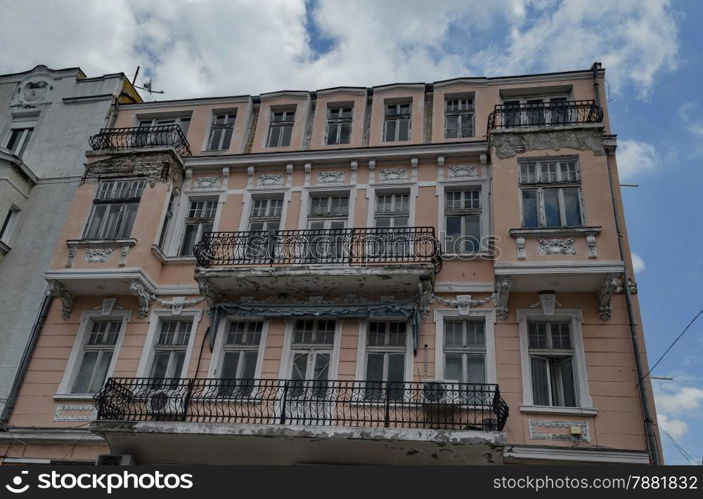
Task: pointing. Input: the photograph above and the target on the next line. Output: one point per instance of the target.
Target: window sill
(101, 242)
(556, 231)
(171, 260)
(76, 397)
(559, 411)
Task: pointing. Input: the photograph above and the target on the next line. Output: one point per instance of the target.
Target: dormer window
(281, 128)
(396, 126)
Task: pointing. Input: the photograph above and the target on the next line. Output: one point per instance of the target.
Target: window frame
(288, 346)
(75, 357)
(122, 204)
(363, 348)
(396, 119)
(266, 219)
(583, 397)
(27, 131)
(185, 221)
(9, 224)
(280, 124)
(461, 114)
(225, 127)
(339, 122)
(152, 335)
(539, 185)
(220, 347)
(463, 213)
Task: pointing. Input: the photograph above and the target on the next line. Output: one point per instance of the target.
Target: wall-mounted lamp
(548, 300)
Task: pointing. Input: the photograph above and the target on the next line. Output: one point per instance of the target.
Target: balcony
(123, 139)
(319, 262)
(578, 112)
(234, 420)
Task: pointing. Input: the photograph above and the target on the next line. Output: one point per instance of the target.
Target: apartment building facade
(46, 118)
(410, 273)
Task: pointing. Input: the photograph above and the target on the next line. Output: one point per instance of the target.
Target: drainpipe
(596, 86)
(652, 446)
(24, 361)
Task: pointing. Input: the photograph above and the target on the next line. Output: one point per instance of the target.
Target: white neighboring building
(46, 118)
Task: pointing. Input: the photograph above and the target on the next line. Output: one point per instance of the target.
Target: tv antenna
(147, 85)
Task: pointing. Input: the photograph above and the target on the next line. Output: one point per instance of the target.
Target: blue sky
(650, 48)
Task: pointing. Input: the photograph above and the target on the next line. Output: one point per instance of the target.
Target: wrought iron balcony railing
(431, 404)
(359, 246)
(545, 114)
(117, 139)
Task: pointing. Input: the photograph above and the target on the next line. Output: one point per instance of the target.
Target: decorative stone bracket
(58, 290)
(502, 291)
(146, 298)
(611, 285)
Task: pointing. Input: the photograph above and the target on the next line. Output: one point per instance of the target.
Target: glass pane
(160, 365)
(537, 332)
(274, 134)
(85, 373)
(475, 335)
(403, 129)
(344, 133)
(374, 367)
(101, 371)
(128, 216)
(452, 367)
(286, 135)
(561, 337)
(332, 133)
(178, 360)
(390, 131)
(540, 383)
(191, 232)
(300, 366)
(472, 233)
(572, 208)
(227, 138)
(452, 127)
(529, 208)
(396, 371)
(229, 365)
(321, 374)
(454, 333)
(249, 369)
(551, 208)
(215, 137)
(476, 369)
(96, 221)
(568, 384)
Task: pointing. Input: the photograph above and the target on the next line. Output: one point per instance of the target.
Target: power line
(681, 450)
(671, 346)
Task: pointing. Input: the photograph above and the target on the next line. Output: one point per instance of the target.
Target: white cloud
(635, 158)
(227, 47)
(637, 263)
(674, 427)
(686, 112)
(686, 398)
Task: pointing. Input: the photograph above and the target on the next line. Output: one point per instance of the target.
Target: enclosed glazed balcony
(319, 262)
(149, 137)
(233, 420)
(544, 114)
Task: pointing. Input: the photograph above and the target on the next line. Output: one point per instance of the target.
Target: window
(167, 220)
(221, 132)
(392, 210)
(158, 137)
(114, 209)
(328, 214)
(96, 355)
(550, 192)
(386, 348)
(171, 348)
(200, 219)
(8, 225)
(462, 213)
(396, 126)
(281, 128)
(339, 123)
(182, 121)
(241, 354)
(311, 356)
(465, 351)
(19, 138)
(265, 214)
(552, 371)
(459, 118)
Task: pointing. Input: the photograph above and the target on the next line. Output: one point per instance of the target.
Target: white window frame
(461, 113)
(199, 233)
(583, 396)
(286, 354)
(362, 350)
(152, 335)
(174, 241)
(545, 98)
(177, 120)
(218, 351)
(387, 104)
(96, 203)
(74, 358)
(489, 316)
(28, 128)
(258, 193)
(231, 113)
(485, 230)
(559, 185)
(328, 119)
(270, 125)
